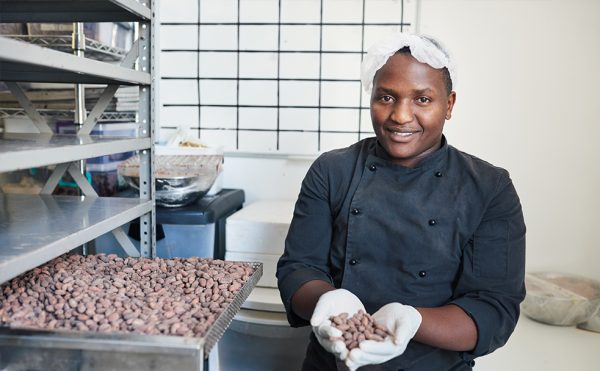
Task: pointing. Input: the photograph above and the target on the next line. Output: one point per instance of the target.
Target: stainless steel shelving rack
(35, 229)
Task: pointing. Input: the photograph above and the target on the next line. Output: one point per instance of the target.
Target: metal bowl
(178, 192)
(560, 299)
(179, 180)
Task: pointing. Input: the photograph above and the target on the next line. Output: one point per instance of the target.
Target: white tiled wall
(215, 10)
(299, 119)
(258, 65)
(300, 11)
(289, 62)
(257, 118)
(171, 36)
(183, 10)
(300, 37)
(177, 92)
(252, 76)
(221, 117)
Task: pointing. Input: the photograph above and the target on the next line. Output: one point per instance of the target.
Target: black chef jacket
(450, 230)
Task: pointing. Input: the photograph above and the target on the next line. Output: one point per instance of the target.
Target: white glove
(402, 321)
(330, 304)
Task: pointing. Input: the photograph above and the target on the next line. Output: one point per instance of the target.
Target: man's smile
(402, 133)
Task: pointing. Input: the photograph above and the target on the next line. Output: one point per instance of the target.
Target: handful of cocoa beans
(357, 328)
(106, 293)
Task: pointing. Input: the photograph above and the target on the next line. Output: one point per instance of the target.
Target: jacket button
(355, 211)
(422, 274)
(372, 167)
(353, 261)
(432, 222)
(438, 174)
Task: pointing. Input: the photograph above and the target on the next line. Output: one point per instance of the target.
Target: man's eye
(423, 100)
(386, 98)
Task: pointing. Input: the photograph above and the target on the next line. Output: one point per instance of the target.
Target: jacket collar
(432, 160)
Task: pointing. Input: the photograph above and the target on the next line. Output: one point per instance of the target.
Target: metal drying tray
(33, 349)
(224, 320)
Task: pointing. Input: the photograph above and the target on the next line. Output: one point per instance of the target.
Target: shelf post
(78, 45)
(146, 129)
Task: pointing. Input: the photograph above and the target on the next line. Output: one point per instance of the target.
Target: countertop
(536, 346)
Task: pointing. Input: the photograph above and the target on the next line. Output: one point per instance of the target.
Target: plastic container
(257, 233)
(12, 29)
(18, 124)
(109, 129)
(260, 340)
(39, 29)
(195, 230)
(105, 179)
(103, 170)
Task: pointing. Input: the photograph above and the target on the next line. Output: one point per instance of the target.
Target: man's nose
(402, 113)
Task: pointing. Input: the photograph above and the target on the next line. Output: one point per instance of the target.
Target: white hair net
(423, 48)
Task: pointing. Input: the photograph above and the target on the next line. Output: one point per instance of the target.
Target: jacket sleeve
(307, 244)
(491, 285)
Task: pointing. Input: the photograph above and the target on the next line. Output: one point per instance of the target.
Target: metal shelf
(36, 229)
(93, 49)
(126, 116)
(23, 151)
(12, 11)
(24, 62)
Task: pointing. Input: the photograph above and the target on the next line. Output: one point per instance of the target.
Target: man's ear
(450, 104)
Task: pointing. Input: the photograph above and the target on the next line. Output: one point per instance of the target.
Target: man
(427, 238)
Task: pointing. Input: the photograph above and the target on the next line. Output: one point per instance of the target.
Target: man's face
(409, 106)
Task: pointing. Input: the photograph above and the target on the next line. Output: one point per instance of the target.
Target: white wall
(262, 178)
(528, 86)
(528, 80)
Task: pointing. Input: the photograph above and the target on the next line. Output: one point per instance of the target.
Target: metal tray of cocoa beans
(32, 349)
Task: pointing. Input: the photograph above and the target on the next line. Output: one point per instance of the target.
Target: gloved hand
(330, 304)
(402, 321)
